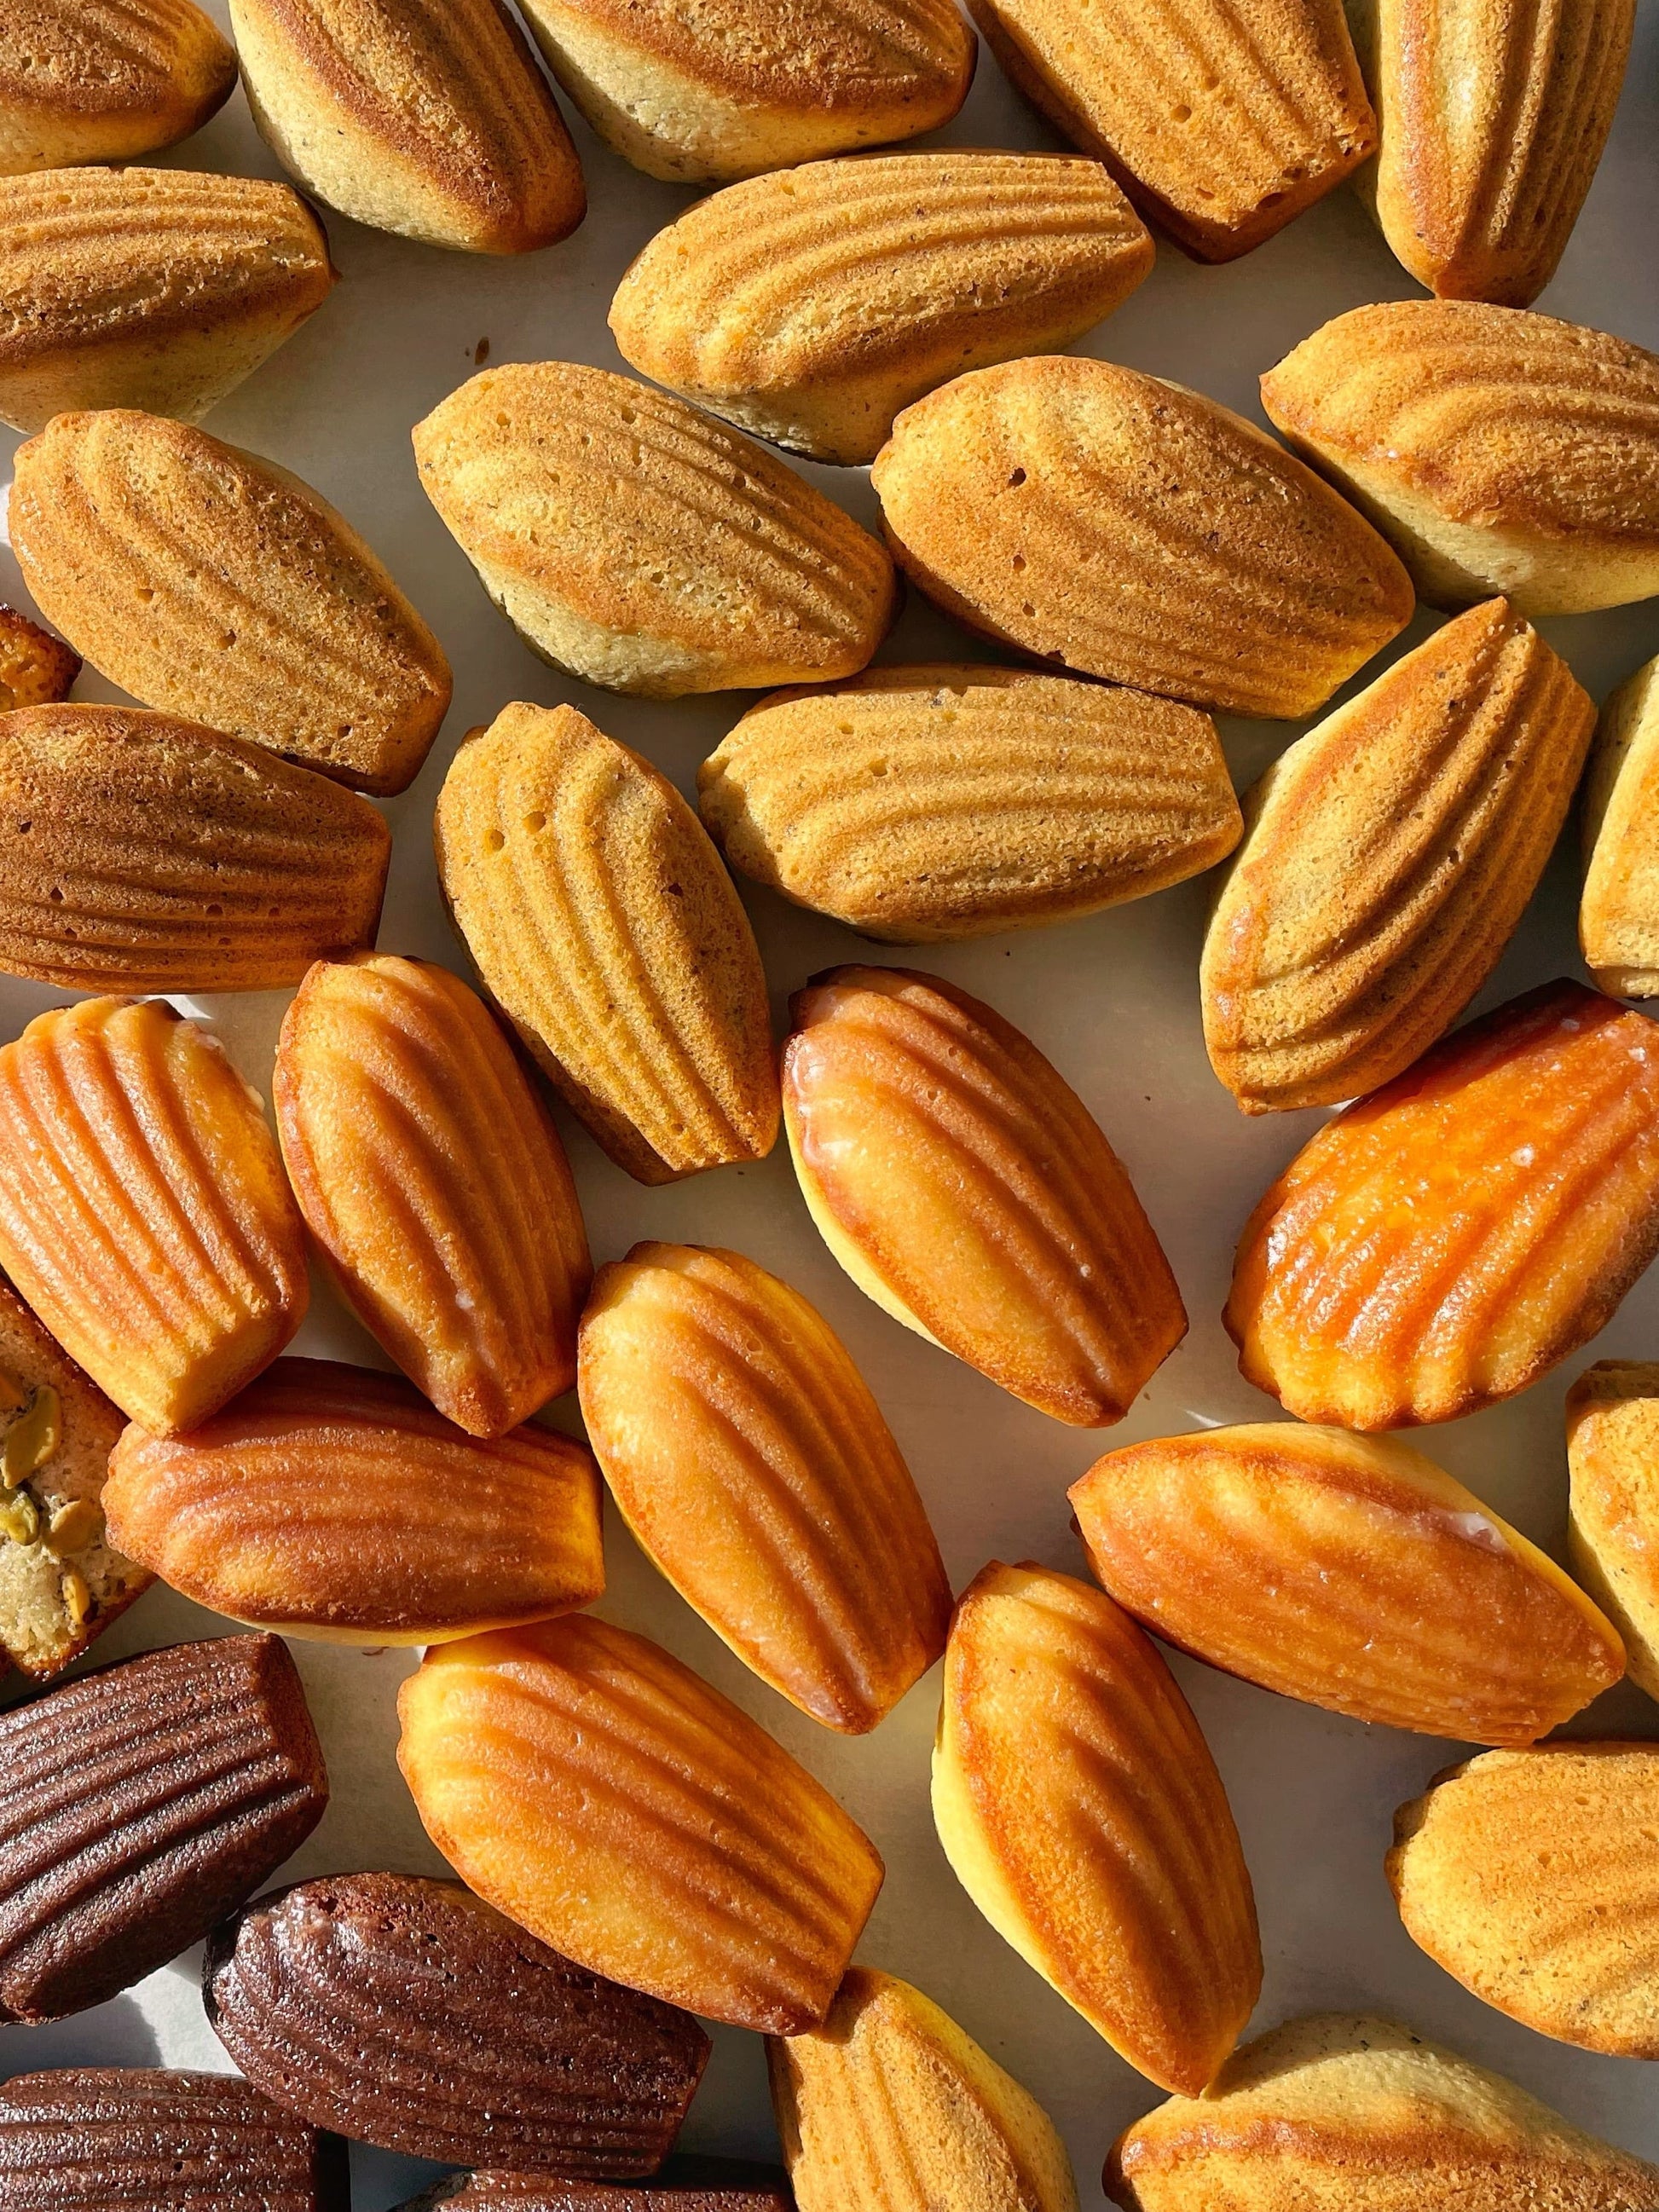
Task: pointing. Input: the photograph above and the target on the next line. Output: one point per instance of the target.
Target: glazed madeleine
(596, 1791)
(36, 669)
(1121, 527)
(1443, 1243)
(1388, 859)
(889, 2108)
(809, 306)
(918, 805)
(104, 79)
(1348, 1572)
(1497, 450)
(329, 1501)
(605, 929)
(433, 1181)
(143, 1212)
(1618, 914)
(639, 545)
(1613, 1456)
(756, 1473)
(214, 585)
(965, 1187)
(1079, 1807)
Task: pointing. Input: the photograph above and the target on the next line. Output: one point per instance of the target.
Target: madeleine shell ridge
(107, 80)
(684, 2183)
(1612, 1462)
(1618, 913)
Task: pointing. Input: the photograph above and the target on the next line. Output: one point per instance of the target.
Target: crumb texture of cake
(1618, 914)
(36, 668)
(106, 80)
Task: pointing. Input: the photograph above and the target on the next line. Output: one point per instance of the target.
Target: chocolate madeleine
(410, 2013)
(684, 2184)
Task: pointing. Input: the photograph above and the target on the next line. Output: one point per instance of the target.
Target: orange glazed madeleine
(754, 1467)
(965, 1187)
(592, 1788)
(432, 1177)
(1077, 1803)
(143, 1211)
(1348, 1572)
(1444, 1243)
(328, 1501)
(1613, 1516)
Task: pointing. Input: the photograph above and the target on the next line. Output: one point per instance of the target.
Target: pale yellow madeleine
(1618, 914)
(104, 79)
(1613, 1517)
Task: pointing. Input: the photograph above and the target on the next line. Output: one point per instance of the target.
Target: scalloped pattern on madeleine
(1446, 1242)
(918, 805)
(747, 1455)
(213, 585)
(1387, 858)
(592, 1788)
(1348, 1572)
(1618, 914)
(431, 1175)
(607, 931)
(965, 1187)
(143, 1211)
(685, 2183)
(1613, 1516)
(1498, 451)
(104, 79)
(810, 306)
(643, 547)
(1079, 1808)
(1121, 526)
(36, 669)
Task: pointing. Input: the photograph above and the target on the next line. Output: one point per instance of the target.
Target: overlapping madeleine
(643, 547)
(1618, 914)
(684, 2184)
(1080, 1809)
(609, 934)
(153, 855)
(1121, 526)
(1498, 451)
(432, 1177)
(36, 669)
(1337, 2112)
(1387, 858)
(597, 1792)
(755, 1470)
(922, 804)
(1444, 1243)
(965, 1187)
(810, 306)
(143, 1212)
(889, 2108)
(328, 1501)
(214, 584)
(103, 80)
(1348, 1572)
(1613, 1456)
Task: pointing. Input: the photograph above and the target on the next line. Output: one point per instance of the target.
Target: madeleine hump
(810, 306)
(607, 932)
(214, 584)
(1446, 1242)
(1118, 525)
(1079, 1808)
(106, 80)
(642, 546)
(1618, 914)
(1613, 1516)
(431, 1175)
(1498, 451)
(682, 2185)
(592, 1788)
(919, 805)
(1387, 858)
(755, 1471)
(964, 1187)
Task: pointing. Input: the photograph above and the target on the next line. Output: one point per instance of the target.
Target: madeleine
(106, 80)
(1613, 1462)
(1618, 913)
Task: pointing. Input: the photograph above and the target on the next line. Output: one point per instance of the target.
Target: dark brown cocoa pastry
(684, 2184)
(410, 2014)
(137, 1807)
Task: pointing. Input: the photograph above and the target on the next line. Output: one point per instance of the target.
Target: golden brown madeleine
(965, 1187)
(1338, 2111)
(592, 1788)
(1079, 1807)
(1444, 1243)
(889, 2108)
(1497, 450)
(36, 669)
(755, 1469)
(1387, 858)
(103, 80)
(1348, 1572)
(214, 584)
(607, 931)
(642, 546)
(1121, 526)
(431, 1174)
(327, 1501)
(141, 851)
(917, 805)
(808, 306)
(428, 117)
(1619, 915)
(1613, 1455)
